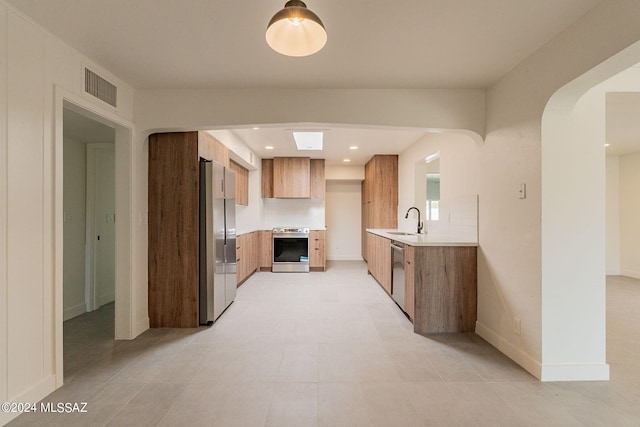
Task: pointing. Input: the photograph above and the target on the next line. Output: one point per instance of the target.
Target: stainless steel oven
(290, 250)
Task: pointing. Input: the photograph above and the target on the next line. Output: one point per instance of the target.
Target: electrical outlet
(516, 325)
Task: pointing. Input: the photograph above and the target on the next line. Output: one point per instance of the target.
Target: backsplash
(458, 218)
(294, 212)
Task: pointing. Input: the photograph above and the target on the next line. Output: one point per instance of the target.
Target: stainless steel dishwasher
(397, 276)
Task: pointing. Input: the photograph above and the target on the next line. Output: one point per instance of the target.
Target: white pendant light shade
(296, 31)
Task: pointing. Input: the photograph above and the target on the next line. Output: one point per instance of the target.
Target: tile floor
(331, 350)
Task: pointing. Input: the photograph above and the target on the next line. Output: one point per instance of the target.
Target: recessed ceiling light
(308, 140)
(606, 145)
(353, 147)
(346, 160)
(255, 128)
(269, 147)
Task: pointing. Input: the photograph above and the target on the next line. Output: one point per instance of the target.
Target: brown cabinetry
(246, 256)
(379, 260)
(445, 289)
(293, 178)
(242, 183)
(266, 250)
(409, 273)
(317, 256)
(379, 196)
(317, 182)
(173, 191)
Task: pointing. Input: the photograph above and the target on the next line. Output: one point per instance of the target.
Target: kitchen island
(440, 278)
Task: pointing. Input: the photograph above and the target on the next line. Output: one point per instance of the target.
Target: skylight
(308, 140)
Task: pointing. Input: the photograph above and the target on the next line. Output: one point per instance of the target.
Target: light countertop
(423, 239)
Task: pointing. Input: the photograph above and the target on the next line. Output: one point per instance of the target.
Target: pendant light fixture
(296, 31)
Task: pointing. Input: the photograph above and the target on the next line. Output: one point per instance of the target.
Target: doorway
(89, 214)
(116, 219)
(89, 235)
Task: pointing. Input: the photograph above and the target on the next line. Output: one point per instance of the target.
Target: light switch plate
(522, 191)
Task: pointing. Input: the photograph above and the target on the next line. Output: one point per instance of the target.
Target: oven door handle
(290, 236)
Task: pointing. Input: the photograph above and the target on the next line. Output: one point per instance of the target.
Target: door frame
(123, 194)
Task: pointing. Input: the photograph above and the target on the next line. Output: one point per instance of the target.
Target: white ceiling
(337, 141)
(371, 44)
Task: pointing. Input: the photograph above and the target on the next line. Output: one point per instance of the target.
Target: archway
(573, 224)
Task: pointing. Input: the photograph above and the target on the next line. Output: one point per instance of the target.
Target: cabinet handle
(317, 249)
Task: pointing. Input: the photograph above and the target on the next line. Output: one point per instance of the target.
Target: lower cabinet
(317, 257)
(265, 256)
(379, 260)
(445, 289)
(440, 284)
(246, 256)
(409, 280)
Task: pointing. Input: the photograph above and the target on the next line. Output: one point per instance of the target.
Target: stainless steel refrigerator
(217, 264)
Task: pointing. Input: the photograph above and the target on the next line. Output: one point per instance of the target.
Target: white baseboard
(76, 310)
(512, 352)
(106, 299)
(37, 392)
(630, 273)
(549, 372)
(591, 372)
(139, 327)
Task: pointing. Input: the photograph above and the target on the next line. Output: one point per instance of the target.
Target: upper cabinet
(242, 183)
(379, 195)
(317, 185)
(293, 178)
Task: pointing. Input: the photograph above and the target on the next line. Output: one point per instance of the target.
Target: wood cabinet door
(266, 249)
(409, 280)
(317, 248)
(173, 230)
(240, 258)
(318, 188)
(267, 179)
(242, 183)
(379, 260)
(291, 177)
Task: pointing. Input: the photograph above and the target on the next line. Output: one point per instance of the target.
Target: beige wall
(630, 215)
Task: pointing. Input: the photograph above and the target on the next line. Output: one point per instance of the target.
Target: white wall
(344, 220)
(459, 172)
(612, 200)
(75, 177)
(630, 215)
(32, 65)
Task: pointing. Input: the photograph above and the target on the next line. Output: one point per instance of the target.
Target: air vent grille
(100, 88)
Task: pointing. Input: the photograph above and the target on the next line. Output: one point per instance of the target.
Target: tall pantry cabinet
(174, 224)
(379, 195)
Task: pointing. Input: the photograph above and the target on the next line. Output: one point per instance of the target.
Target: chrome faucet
(420, 224)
